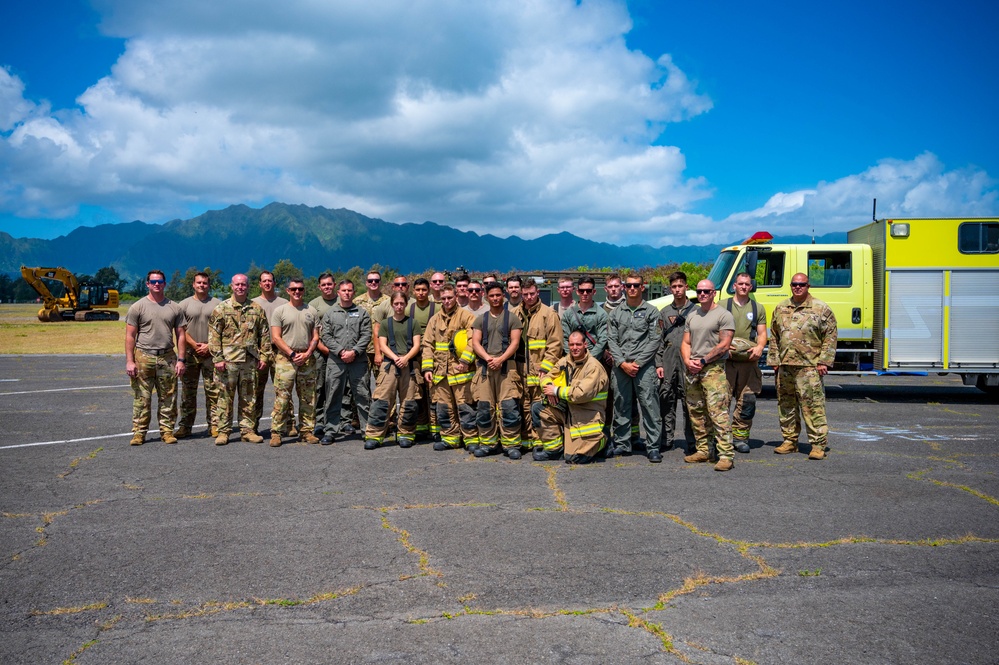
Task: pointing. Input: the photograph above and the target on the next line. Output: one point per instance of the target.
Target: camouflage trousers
(258, 405)
(154, 373)
(708, 397)
(498, 390)
(197, 367)
(394, 383)
(801, 389)
(301, 379)
(241, 377)
(746, 381)
(455, 412)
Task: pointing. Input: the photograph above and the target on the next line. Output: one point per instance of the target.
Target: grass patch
(22, 333)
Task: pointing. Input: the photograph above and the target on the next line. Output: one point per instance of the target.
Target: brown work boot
(308, 437)
(293, 431)
(182, 432)
(138, 438)
(696, 458)
(818, 452)
(275, 440)
(786, 447)
(167, 437)
(724, 464)
(251, 437)
(222, 439)
(214, 431)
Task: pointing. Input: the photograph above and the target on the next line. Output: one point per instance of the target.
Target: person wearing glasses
(294, 338)
(240, 341)
(198, 362)
(370, 301)
(437, 283)
(707, 336)
(802, 350)
(633, 340)
(743, 365)
(151, 364)
(587, 318)
(565, 299)
(269, 300)
(476, 294)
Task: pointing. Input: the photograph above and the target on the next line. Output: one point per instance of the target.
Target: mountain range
(317, 239)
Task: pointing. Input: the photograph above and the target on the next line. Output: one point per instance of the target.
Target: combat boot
(138, 438)
(818, 452)
(167, 436)
(182, 432)
(724, 464)
(222, 439)
(696, 458)
(214, 431)
(251, 437)
(786, 447)
(275, 440)
(308, 437)
(293, 431)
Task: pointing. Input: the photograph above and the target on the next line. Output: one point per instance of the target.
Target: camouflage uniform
(288, 376)
(671, 388)
(258, 409)
(196, 314)
(540, 349)
(802, 337)
(155, 367)
(708, 394)
(451, 390)
(239, 336)
(577, 423)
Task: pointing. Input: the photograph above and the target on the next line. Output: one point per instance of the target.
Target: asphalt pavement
(885, 552)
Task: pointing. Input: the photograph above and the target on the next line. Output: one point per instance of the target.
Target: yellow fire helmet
(461, 341)
(560, 380)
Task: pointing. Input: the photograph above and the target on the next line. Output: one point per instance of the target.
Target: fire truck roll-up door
(943, 319)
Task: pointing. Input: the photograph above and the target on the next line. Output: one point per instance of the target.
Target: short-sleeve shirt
(704, 329)
(494, 333)
(155, 323)
(745, 321)
(400, 330)
(270, 305)
(196, 315)
(296, 324)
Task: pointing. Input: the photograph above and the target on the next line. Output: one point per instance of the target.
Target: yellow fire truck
(910, 295)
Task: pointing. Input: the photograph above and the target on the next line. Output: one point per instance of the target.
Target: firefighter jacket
(802, 335)
(439, 355)
(346, 330)
(543, 339)
(633, 334)
(585, 393)
(238, 332)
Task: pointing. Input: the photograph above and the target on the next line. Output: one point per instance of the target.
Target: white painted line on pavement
(62, 390)
(95, 438)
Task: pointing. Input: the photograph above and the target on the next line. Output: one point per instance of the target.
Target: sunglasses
(799, 284)
(296, 289)
(475, 290)
(703, 291)
(400, 283)
(585, 290)
(157, 281)
(632, 286)
(437, 281)
(374, 281)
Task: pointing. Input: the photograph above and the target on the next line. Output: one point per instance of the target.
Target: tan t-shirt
(196, 314)
(155, 323)
(270, 305)
(296, 324)
(704, 329)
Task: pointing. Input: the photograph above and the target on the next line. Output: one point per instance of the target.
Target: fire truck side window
(978, 238)
(830, 269)
(769, 271)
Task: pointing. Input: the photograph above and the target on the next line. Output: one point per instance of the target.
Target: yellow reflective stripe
(586, 430)
(468, 355)
(563, 392)
(442, 346)
(551, 444)
(537, 343)
(427, 364)
(600, 396)
(533, 380)
(458, 379)
(546, 366)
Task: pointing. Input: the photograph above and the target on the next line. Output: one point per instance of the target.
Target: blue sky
(653, 122)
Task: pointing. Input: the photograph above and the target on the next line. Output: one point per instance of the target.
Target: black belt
(156, 352)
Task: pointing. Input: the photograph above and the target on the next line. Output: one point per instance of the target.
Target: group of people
(483, 365)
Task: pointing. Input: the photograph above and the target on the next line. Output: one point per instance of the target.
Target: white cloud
(516, 116)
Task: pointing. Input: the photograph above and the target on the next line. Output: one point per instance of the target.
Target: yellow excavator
(78, 302)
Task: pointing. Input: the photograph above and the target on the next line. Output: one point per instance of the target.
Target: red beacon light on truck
(758, 238)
